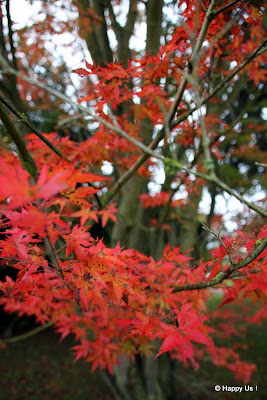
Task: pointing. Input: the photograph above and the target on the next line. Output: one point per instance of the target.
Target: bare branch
(69, 119)
(114, 23)
(2, 37)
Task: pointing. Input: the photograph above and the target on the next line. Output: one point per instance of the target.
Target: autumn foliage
(116, 301)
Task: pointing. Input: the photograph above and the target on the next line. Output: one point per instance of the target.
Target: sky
(22, 10)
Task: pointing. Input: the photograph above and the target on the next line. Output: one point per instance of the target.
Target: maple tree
(142, 289)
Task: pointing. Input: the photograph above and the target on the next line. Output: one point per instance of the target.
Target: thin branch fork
(217, 235)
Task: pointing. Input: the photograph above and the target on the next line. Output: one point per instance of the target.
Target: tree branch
(214, 179)
(59, 269)
(96, 38)
(2, 37)
(221, 276)
(10, 35)
(215, 13)
(23, 261)
(259, 50)
(217, 235)
(261, 164)
(24, 155)
(204, 29)
(123, 34)
(26, 335)
(23, 118)
(153, 145)
(127, 31)
(148, 150)
(227, 189)
(114, 23)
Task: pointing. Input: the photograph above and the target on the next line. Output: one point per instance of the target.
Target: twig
(219, 35)
(205, 140)
(55, 255)
(229, 190)
(68, 119)
(21, 260)
(217, 235)
(232, 3)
